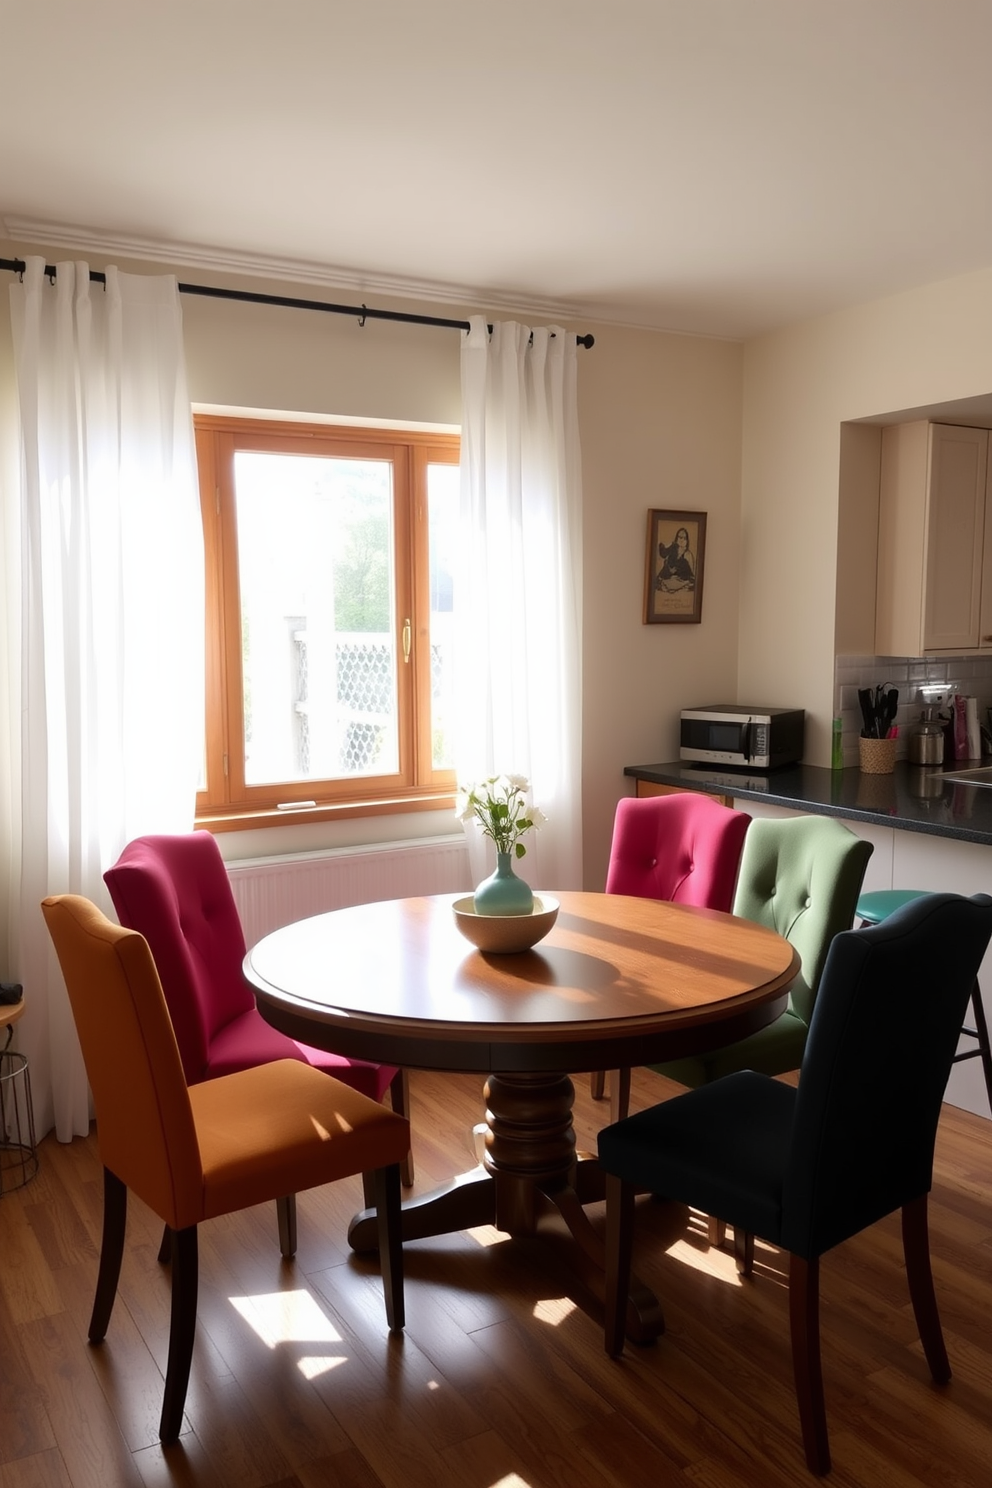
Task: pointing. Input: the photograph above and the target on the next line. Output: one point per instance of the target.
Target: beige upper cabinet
(934, 589)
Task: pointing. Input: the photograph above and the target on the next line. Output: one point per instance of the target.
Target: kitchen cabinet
(934, 574)
(653, 788)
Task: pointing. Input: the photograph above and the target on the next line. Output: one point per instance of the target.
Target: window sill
(240, 819)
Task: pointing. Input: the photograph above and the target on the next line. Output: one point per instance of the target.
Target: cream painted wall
(660, 419)
(906, 352)
(298, 361)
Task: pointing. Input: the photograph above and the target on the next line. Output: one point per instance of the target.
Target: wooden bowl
(503, 935)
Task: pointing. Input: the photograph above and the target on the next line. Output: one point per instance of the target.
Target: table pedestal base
(530, 1170)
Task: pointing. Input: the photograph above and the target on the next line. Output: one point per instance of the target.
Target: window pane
(442, 520)
(315, 557)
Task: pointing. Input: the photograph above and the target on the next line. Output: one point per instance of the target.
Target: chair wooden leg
(916, 1247)
(804, 1324)
(111, 1254)
(716, 1231)
(389, 1226)
(597, 1084)
(286, 1217)
(399, 1098)
(619, 1243)
(165, 1249)
(982, 1035)
(181, 1333)
(743, 1251)
(619, 1094)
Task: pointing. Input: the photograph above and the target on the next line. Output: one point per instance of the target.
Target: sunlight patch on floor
(721, 1264)
(553, 1310)
(312, 1366)
(486, 1235)
(279, 1318)
(717, 1263)
(512, 1480)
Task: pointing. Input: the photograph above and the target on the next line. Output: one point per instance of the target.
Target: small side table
(18, 1150)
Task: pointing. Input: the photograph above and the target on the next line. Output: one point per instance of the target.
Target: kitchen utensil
(926, 740)
(867, 712)
(878, 709)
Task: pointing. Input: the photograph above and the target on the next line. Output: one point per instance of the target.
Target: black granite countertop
(916, 798)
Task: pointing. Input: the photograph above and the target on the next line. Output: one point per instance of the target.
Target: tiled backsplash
(920, 679)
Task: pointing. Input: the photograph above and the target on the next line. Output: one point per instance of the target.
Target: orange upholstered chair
(196, 1152)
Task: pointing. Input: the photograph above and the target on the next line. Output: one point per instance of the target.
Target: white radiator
(271, 892)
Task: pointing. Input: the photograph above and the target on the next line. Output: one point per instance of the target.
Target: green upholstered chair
(807, 1168)
(800, 876)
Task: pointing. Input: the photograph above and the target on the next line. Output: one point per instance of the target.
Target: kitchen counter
(916, 798)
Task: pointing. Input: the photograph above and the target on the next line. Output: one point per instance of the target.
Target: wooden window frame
(227, 802)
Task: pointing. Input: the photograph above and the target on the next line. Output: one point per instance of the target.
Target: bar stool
(876, 906)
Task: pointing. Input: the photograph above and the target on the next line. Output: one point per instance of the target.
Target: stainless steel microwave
(748, 738)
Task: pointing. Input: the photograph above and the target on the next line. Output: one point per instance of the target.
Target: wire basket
(18, 1150)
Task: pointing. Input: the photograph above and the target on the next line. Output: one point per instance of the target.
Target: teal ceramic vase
(503, 893)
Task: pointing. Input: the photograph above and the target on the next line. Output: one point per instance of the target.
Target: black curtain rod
(362, 312)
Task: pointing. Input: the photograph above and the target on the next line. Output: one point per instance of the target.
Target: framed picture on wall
(673, 584)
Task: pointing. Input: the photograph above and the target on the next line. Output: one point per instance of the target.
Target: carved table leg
(530, 1169)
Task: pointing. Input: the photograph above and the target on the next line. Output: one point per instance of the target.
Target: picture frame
(673, 580)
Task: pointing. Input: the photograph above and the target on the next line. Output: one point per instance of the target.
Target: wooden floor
(500, 1377)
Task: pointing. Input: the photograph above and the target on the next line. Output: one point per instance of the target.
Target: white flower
(499, 806)
(464, 810)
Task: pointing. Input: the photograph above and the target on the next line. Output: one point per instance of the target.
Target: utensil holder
(877, 756)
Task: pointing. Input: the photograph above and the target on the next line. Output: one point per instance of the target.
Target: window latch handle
(407, 637)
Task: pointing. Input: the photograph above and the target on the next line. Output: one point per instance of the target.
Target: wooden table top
(617, 981)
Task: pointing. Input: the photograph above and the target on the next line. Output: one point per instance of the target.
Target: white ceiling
(713, 166)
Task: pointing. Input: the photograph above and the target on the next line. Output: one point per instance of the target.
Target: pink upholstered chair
(684, 847)
(174, 890)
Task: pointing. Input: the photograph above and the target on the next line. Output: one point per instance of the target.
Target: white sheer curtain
(111, 614)
(518, 588)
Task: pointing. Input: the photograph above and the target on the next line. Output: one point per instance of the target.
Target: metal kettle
(926, 740)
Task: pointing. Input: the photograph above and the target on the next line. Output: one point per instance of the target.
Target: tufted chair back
(802, 876)
(176, 892)
(683, 847)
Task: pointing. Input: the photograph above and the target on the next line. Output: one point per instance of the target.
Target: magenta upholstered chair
(684, 847)
(174, 890)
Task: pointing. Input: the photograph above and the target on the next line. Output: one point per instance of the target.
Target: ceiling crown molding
(86, 240)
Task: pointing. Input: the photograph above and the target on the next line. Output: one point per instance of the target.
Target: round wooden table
(619, 981)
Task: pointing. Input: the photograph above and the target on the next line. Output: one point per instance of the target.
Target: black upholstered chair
(876, 906)
(807, 1168)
